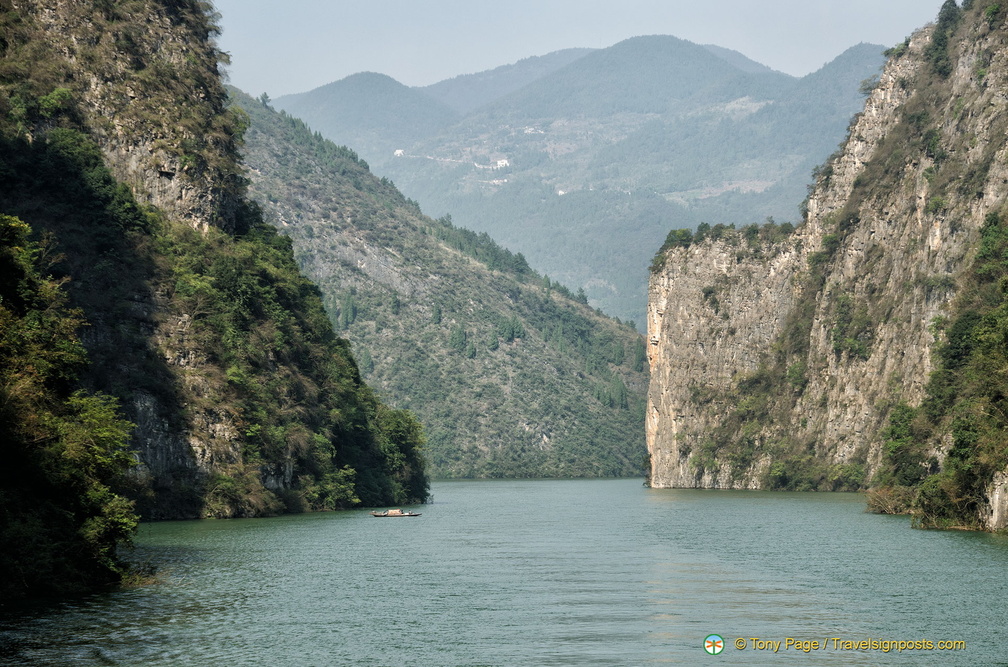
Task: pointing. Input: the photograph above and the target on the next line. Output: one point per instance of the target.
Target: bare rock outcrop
(841, 311)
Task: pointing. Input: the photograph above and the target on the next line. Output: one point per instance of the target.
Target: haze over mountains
(583, 159)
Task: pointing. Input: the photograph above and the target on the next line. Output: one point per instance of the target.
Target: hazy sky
(296, 45)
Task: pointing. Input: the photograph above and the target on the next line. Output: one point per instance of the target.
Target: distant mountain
(737, 59)
(654, 74)
(837, 84)
(374, 113)
(510, 374)
(585, 168)
(469, 92)
(606, 154)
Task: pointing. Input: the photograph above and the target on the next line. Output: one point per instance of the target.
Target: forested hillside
(510, 374)
(160, 353)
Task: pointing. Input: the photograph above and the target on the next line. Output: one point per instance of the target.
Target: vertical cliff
(141, 80)
(146, 77)
(787, 360)
(118, 147)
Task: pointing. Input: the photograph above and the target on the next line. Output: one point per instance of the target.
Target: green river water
(585, 572)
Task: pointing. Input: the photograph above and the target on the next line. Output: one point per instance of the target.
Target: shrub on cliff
(937, 51)
(677, 238)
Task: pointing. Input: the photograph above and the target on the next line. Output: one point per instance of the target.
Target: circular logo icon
(713, 644)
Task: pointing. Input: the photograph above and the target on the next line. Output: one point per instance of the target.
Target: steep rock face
(156, 113)
(696, 349)
(144, 80)
(842, 312)
(996, 514)
(711, 312)
(118, 145)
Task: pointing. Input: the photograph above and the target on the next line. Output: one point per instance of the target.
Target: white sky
(297, 45)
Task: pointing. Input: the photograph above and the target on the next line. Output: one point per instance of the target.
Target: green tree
(402, 441)
(64, 450)
(348, 310)
(640, 355)
(937, 51)
(457, 339)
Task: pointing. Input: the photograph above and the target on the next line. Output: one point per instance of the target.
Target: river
(582, 572)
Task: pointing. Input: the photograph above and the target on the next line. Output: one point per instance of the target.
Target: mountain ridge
(691, 136)
(737, 59)
(384, 113)
(468, 92)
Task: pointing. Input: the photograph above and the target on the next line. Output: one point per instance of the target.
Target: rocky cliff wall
(712, 312)
(146, 76)
(815, 338)
(142, 78)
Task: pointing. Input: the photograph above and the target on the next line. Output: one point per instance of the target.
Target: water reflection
(519, 572)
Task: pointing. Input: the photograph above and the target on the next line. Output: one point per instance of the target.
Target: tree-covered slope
(511, 375)
(62, 508)
(205, 357)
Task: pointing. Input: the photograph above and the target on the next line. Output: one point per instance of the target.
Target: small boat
(394, 513)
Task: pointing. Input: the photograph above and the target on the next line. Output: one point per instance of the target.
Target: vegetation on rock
(168, 362)
(966, 401)
(65, 450)
(907, 254)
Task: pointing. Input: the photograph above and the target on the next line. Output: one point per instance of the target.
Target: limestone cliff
(778, 362)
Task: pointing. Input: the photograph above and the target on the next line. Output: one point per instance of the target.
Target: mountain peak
(468, 92)
(739, 60)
